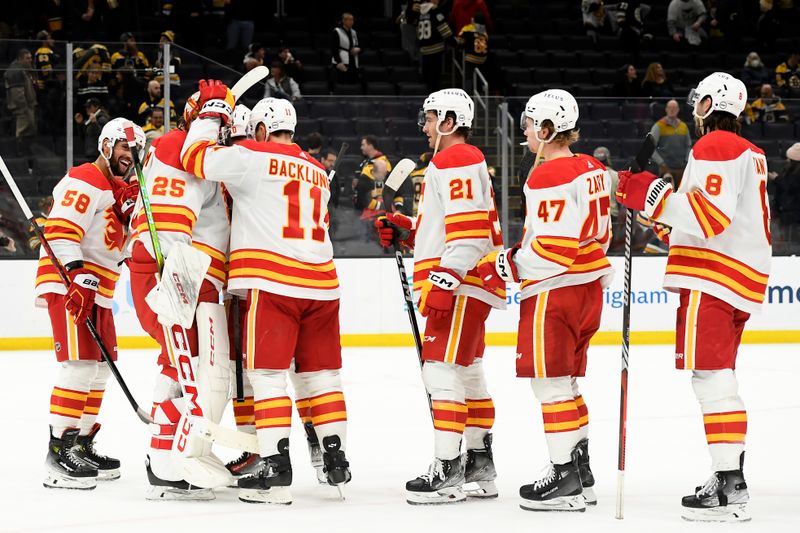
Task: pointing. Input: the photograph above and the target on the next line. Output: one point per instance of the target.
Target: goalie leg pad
(166, 412)
(560, 416)
(449, 408)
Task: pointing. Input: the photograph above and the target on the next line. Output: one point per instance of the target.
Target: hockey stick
(141, 413)
(642, 158)
(248, 80)
(237, 349)
(342, 151)
(148, 211)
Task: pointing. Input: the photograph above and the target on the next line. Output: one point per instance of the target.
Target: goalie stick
(642, 158)
(141, 413)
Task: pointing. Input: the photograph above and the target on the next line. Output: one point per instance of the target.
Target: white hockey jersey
(720, 242)
(567, 225)
(185, 209)
(279, 232)
(457, 222)
(82, 226)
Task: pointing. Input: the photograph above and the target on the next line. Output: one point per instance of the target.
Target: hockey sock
(68, 399)
(449, 408)
(480, 407)
(326, 408)
(724, 416)
(95, 398)
(244, 412)
(273, 409)
(583, 414)
(560, 416)
(303, 409)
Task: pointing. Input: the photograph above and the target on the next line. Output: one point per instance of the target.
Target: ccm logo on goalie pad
(179, 287)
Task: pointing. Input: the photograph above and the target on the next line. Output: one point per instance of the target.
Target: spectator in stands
(628, 84)
(787, 76)
(254, 57)
(96, 57)
(279, 85)
(656, 82)
(314, 144)
(130, 59)
(767, 108)
(433, 33)
(90, 124)
(240, 23)
(767, 26)
(787, 188)
(465, 10)
(755, 73)
(408, 32)
(92, 85)
(595, 18)
(368, 185)
(44, 205)
(49, 84)
(328, 159)
(174, 60)
(124, 95)
(685, 20)
(154, 127)
(345, 51)
(627, 20)
(725, 19)
(292, 67)
(153, 100)
(603, 154)
(673, 142)
(21, 101)
(7, 244)
(475, 41)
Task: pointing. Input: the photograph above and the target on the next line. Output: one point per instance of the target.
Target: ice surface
(390, 442)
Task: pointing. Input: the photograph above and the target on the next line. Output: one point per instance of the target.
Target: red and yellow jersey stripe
(270, 266)
(711, 220)
(61, 228)
(715, 267)
(167, 218)
(47, 273)
(470, 225)
(589, 257)
(472, 279)
(194, 157)
(219, 263)
(559, 250)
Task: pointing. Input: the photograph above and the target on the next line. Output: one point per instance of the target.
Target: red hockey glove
(396, 226)
(216, 101)
(643, 191)
(81, 292)
(438, 302)
(125, 196)
(498, 268)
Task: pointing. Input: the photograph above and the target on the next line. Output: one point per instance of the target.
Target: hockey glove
(438, 302)
(81, 291)
(216, 101)
(498, 268)
(125, 196)
(662, 231)
(643, 191)
(396, 227)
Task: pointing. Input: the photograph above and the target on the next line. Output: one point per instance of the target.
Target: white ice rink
(390, 442)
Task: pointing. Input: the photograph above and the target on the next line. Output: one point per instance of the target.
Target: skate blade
(59, 481)
(274, 495)
(108, 475)
(589, 496)
(155, 493)
(480, 489)
(562, 504)
(441, 497)
(322, 477)
(340, 488)
(729, 513)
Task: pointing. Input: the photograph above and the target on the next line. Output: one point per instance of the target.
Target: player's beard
(120, 165)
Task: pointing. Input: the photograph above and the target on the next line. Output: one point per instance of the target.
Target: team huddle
(216, 275)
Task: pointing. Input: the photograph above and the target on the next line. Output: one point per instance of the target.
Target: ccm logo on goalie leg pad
(179, 287)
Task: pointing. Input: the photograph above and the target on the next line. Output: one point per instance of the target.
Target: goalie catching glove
(396, 227)
(437, 303)
(643, 191)
(216, 101)
(81, 291)
(498, 268)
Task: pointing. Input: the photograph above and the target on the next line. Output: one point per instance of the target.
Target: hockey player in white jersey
(719, 263)
(455, 227)
(187, 212)
(563, 268)
(86, 229)
(282, 261)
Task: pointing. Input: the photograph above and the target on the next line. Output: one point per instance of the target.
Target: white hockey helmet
(192, 108)
(276, 114)
(114, 131)
(555, 105)
(239, 121)
(727, 94)
(446, 100)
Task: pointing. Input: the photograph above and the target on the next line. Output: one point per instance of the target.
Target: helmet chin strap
(439, 135)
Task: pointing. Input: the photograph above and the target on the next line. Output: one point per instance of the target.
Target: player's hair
(719, 120)
(372, 141)
(314, 140)
(463, 131)
(563, 138)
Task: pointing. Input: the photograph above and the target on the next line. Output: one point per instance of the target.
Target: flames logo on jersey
(114, 236)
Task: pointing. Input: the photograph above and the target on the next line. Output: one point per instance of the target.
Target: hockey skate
(162, 489)
(315, 453)
(337, 469)
(107, 467)
(64, 469)
(559, 490)
(270, 483)
(723, 498)
(245, 465)
(440, 484)
(479, 472)
(581, 454)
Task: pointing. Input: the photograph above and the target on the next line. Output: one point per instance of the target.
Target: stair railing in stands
(505, 154)
(480, 93)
